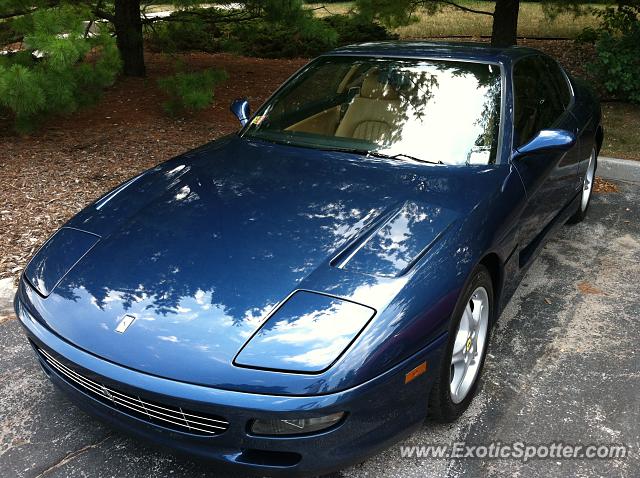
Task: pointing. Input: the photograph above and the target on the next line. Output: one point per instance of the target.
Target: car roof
(470, 51)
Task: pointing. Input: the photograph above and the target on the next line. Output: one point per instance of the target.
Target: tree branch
(466, 9)
(104, 15)
(19, 13)
(27, 11)
(184, 16)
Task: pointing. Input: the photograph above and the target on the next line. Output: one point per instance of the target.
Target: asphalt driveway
(563, 367)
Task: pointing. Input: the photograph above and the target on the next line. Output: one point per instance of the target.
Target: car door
(550, 177)
(587, 114)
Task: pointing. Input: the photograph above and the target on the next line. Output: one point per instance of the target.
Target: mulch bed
(48, 176)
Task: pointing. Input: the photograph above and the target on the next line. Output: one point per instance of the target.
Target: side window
(538, 103)
(560, 81)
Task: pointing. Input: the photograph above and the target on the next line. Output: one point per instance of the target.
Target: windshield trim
(501, 157)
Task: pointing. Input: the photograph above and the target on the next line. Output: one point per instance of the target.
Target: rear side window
(560, 81)
(538, 99)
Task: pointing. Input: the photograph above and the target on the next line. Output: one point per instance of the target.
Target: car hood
(202, 248)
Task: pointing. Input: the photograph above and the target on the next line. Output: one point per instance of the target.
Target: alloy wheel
(470, 344)
(588, 181)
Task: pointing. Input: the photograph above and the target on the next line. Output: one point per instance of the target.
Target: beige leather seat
(374, 115)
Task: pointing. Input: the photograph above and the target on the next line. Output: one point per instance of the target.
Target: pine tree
(54, 64)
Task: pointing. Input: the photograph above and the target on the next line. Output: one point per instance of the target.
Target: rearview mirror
(240, 108)
(547, 140)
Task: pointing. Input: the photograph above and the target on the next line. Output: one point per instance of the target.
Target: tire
(449, 397)
(587, 190)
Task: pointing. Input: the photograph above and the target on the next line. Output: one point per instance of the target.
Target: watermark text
(517, 451)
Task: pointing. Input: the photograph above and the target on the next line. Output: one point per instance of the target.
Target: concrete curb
(622, 169)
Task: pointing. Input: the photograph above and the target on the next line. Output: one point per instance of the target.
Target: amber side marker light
(416, 372)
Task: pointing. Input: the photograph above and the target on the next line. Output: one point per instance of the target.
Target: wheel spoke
(460, 343)
(457, 357)
(477, 312)
(467, 318)
(460, 381)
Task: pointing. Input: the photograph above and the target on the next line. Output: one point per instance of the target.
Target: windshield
(429, 110)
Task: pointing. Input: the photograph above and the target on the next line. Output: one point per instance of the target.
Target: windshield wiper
(378, 154)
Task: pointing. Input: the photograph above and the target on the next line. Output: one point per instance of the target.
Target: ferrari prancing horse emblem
(125, 323)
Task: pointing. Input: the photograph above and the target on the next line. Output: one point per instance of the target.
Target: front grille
(167, 416)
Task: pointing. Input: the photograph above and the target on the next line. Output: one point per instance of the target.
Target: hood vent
(396, 241)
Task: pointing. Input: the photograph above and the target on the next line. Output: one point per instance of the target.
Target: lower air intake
(176, 418)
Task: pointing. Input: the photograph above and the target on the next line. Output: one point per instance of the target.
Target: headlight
(295, 426)
(306, 334)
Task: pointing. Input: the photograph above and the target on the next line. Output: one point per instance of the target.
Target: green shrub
(588, 35)
(188, 91)
(195, 29)
(202, 29)
(179, 36)
(279, 40)
(272, 36)
(356, 29)
(617, 62)
(6, 34)
(69, 71)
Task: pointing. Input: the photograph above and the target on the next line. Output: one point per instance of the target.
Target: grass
(450, 21)
(621, 123)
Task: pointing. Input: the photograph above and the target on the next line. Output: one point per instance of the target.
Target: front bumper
(379, 412)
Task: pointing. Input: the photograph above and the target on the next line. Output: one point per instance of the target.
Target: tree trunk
(128, 27)
(505, 23)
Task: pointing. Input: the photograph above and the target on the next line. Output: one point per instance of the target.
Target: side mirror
(547, 140)
(240, 108)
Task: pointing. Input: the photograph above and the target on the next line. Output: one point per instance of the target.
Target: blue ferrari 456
(294, 297)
